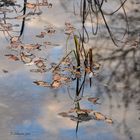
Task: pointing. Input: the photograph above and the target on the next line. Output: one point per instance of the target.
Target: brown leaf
(93, 100)
(74, 110)
(83, 111)
(42, 83)
(26, 58)
(69, 28)
(50, 30)
(96, 66)
(99, 116)
(63, 114)
(30, 5)
(50, 43)
(39, 63)
(12, 57)
(56, 84)
(22, 16)
(38, 70)
(14, 39)
(109, 120)
(31, 47)
(56, 77)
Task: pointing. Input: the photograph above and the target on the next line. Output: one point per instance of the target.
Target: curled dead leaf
(109, 120)
(12, 57)
(14, 39)
(99, 116)
(42, 83)
(50, 43)
(83, 111)
(26, 58)
(39, 63)
(69, 28)
(30, 5)
(56, 77)
(56, 84)
(38, 70)
(50, 30)
(31, 47)
(96, 66)
(93, 100)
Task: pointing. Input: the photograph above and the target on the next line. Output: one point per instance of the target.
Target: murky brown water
(30, 112)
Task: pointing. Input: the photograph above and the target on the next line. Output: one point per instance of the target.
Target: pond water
(32, 112)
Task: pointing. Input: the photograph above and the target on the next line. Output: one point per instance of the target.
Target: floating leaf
(42, 83)
(12, 57)
(39, 63)
(14, 39)
(50, 30)
(69, 28)
(31, 47)
(74, 110)
(41, 35)
(99, 116)
(93, 100)
(22, 16)
(87, 69)
(56, 77)
(63, 114)
(56, 84)
(30, 5)
(83, 111)
(96, 66)
(26, 58)
(50, 43)
(109, 120)
(38, 70)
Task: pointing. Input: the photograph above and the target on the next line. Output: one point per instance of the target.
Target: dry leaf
(14, 39)
(93, 100)
(42, 83)
(56, 77)
(74, 110)
(22, 16)
(39, 63)
(50, 43)
(87, 69)
(109, 120)
(31, 47)
(30, 5)
(50, 30)
(56, 84)
(96, 66)
(99, 116)
(26, 58)
(69, 28)
(83, 111)
(63, 114)
(12, 57)
(38, 70)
